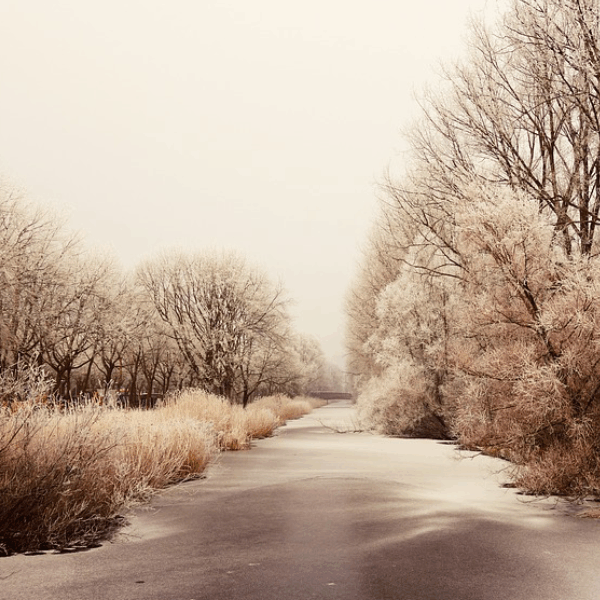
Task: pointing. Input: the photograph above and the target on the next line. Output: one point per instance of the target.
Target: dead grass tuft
(285, 408)
(67, 475)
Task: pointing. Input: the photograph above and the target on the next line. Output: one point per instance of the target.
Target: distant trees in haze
(228, 320)
(208, 320)
(475, 313)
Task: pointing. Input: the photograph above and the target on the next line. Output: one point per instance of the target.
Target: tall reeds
(67, 475)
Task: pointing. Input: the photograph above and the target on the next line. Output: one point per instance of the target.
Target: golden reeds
(67, 474)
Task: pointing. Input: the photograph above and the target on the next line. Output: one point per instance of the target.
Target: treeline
(209, 321)
(475, 314)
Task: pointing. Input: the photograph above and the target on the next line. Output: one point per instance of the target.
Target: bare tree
(522, 112)
(225, 317)
(32, 249)
(71, 318)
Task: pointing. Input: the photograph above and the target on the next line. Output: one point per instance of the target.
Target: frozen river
(312, 513)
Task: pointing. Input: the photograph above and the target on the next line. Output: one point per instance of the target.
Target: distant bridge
(331, 395)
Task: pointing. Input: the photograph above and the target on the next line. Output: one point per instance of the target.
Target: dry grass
(284, 407)
(65, 476)
(233, 425)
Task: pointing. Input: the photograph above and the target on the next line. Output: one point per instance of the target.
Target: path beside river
(312, 513)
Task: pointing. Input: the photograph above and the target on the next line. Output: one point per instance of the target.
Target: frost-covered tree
(526, 345)
(490, 320)
(118, 333)
(227, 318)
(55, 300)
(32, 249)
(521, 111)
(71, 318)
(378, 267)
(410, 346)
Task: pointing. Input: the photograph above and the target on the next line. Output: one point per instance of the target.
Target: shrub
(398, 403)
(526, 374)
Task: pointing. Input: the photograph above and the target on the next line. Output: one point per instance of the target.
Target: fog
(262, 127)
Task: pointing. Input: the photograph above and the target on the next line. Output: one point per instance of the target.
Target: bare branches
(228, 320)
(489, 317)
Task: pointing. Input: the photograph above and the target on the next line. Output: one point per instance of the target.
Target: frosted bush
(397, 403)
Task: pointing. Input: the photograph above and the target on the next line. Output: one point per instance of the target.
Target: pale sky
(260, 126)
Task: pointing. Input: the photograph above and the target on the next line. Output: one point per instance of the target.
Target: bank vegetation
(475, 314)
(116, 384)
(68, 476)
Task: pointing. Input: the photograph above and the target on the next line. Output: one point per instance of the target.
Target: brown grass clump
(227, 421)
(156, 450)
(67, 474)
(234, 425)
(53, 484)
(285, 408)
(314, 402)
(261, 422)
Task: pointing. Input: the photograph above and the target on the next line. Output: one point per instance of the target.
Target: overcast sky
(256, 125)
